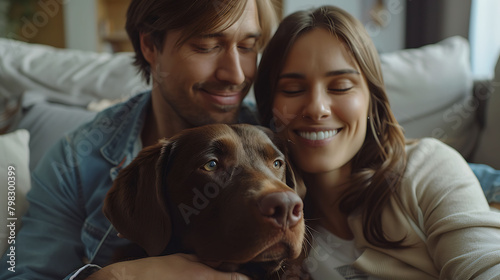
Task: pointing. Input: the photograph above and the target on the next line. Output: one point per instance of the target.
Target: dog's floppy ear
(133, 204)
(293, 177)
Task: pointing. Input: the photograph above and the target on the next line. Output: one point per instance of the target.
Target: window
(484, 37)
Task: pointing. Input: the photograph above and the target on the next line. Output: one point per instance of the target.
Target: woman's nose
(318, 106)
(229, 69)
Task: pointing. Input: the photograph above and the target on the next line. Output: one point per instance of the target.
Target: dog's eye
(210, 166)
(277, 164)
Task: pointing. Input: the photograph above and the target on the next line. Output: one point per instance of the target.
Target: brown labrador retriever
(217, 191)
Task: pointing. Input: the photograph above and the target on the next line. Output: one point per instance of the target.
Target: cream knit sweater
(443, 215)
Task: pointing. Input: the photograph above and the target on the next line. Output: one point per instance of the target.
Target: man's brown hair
(195, 17)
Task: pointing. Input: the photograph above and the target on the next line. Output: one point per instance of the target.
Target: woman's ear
(148, 48)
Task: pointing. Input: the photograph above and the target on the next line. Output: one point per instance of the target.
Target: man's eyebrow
(328, 74)
(222, 35)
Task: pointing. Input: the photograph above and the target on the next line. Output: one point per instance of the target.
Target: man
(201, 59)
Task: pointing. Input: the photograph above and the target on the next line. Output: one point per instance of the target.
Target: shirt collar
(129, 118)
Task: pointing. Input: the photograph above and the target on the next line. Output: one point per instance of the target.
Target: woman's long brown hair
(378, 166)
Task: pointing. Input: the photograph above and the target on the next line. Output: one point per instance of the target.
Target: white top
(331, 257)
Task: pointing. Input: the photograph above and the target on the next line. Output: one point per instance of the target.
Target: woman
(380, 207)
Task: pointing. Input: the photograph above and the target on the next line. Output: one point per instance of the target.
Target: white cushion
(14, 153)
(430, 91)
(69, 76)
(423, 80)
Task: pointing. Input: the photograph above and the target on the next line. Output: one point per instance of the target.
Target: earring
(368, 117)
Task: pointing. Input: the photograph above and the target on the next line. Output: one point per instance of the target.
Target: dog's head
(223, 192)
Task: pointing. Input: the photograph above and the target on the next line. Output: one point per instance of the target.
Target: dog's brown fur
(166, 201)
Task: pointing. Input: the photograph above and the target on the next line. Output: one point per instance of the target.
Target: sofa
(46, 92)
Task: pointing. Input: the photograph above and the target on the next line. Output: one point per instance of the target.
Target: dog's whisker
(310, 230)
(279, 274)
(315, 250)
(306, 244)
(307, 237)
(304, 249)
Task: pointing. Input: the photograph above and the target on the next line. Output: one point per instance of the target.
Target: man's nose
(229, 69)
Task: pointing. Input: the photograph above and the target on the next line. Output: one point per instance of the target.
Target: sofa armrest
(488, 151)
(482, 91)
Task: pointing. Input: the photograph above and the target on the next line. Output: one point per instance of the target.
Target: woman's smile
(320, 135)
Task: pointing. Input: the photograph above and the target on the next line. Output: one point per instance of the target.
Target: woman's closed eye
(290, 88)
(292, 91)
(342, 86)
(346, 89)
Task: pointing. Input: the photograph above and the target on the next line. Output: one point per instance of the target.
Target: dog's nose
(285, 208)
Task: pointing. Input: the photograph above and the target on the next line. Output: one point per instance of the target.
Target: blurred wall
(389, 36)
(81, 25)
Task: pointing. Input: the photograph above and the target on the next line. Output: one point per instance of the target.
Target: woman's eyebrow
(342, 72)
(328, 74)
(292, 76)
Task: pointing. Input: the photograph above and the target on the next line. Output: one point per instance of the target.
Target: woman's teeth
(318, 135)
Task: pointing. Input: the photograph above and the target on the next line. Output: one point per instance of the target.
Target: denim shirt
(64, 228)
(489, 178)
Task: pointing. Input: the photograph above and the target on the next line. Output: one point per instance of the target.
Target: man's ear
(133, 205)
(148, 48)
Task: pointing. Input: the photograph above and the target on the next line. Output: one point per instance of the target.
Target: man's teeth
(319, 135)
